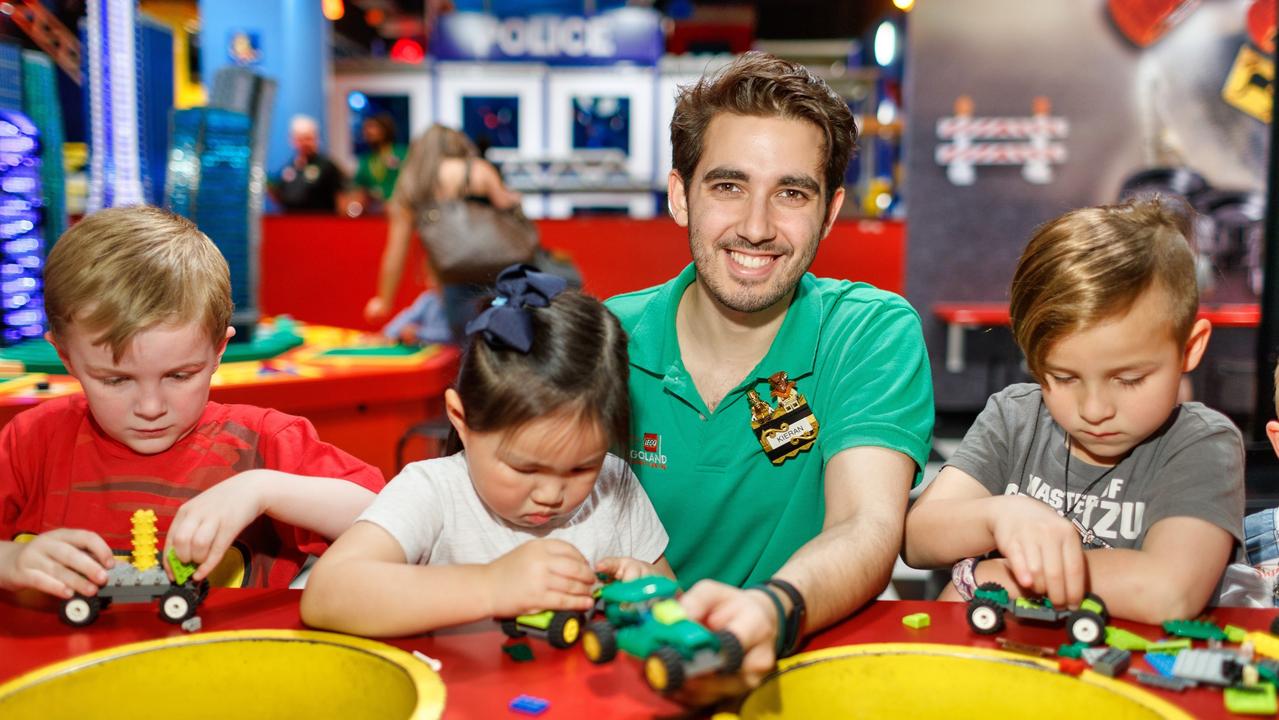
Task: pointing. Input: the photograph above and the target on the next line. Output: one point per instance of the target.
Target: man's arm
(846, 565)
(851, 560)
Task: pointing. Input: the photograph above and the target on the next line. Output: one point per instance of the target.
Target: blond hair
(419, 173)
(1092, 264)
(123, 270)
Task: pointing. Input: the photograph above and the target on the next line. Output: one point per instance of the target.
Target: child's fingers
(573, 570)
(1016, 557)
(45, 583)
(202, 539)
(216, 552)
(79, 564)
(93, 544)
(1054, 580)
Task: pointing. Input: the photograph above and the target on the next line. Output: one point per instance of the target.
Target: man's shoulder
(629, 307)
(843, 300)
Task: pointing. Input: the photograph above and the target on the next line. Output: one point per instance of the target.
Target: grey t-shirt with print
(1191, 467)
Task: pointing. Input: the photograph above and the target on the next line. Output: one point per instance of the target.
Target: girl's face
(537, 473)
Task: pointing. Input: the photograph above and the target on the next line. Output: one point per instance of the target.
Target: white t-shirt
(432, 510)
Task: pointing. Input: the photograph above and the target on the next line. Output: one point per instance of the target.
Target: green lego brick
(918, 621)
(1171, 647)
(1124, 640)
(1194, 629)
(1075, 651)
(1235, 634)
(181, 571)
(1259, 700)
(519, 652)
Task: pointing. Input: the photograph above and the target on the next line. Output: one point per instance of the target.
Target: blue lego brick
(1161, 662)
(529, 705)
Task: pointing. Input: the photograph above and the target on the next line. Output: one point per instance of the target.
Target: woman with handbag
(467, 219)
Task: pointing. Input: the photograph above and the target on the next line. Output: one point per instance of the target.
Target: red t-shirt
(58, 469)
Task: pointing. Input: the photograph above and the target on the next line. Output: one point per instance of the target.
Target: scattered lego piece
(1194, 629)
(1171, 647)
(1235, 634)
(1124, 640)
(918, 621)
(518, 651)
(1162, 663)
(1263, 643)
(1174, 684)
(1072, 666)
(1258, 700)
(1092, 655)
(1073, 650)
(192, 624)
(431, 662)
(529, 705)
(1268, 670)
(1214, 667)
(181, 570)
(1113, 663)
(1023, 648)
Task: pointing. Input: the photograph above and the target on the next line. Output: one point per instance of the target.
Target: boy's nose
(150, 406)
(1095, 407)
(548, 494)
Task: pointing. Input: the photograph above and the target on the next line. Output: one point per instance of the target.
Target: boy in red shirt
(139, 305)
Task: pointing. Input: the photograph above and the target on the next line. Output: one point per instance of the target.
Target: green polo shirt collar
(793, 350)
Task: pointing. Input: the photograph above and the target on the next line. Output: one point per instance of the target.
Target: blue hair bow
(507, 322)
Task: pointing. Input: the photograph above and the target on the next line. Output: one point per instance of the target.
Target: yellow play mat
(900, 680)
(239, 674)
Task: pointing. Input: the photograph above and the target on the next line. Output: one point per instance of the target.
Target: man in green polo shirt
(761, 477)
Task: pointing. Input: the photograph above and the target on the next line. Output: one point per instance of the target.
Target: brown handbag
(470, 241)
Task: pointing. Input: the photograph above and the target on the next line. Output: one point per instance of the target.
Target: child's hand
(208, 523)
(1041, 547)
(540, 575)
(625, 568)
(60, 562)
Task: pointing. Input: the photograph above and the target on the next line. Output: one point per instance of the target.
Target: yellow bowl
(240, 674)
(899, 680)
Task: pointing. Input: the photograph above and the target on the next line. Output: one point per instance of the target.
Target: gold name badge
(789, 428)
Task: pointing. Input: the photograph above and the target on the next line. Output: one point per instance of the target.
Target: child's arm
(957, 517)
(60, 562)
(627, 568)
(206, 525)
(362, 585)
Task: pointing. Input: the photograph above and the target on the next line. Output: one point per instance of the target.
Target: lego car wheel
(1101, 605)
(177, 604)
(664, 670)
(201, 591)
(511, 629)
(985, 617)
(80, 610)
(1086, 627)
(730, 652)
(599, 642)
(564, 630)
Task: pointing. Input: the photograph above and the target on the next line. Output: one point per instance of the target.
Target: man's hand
(208, 523)
(1042, 549)
(749, 615)
(540, 575)
(60, 562)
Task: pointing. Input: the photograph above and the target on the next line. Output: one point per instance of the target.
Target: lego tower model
(115, 176)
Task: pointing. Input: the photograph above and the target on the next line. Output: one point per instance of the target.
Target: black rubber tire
(1105, 613)
(672, 667)
(511, 629)
(1087, 627)
(606, 641)
(80, 611)
(985, 617)
(730, 652)
(178, 604)
(555, 631)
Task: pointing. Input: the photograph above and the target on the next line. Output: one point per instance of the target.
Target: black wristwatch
(794, 619)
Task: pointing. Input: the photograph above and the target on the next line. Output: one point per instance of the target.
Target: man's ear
(677, 198)
(836, 202)
(1272, 432)
(1196, 344)
(456, 414)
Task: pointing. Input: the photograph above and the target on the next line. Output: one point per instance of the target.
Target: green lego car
(560, 628)
(642, 618)
(991, 601)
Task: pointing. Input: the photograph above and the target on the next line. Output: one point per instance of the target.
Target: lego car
(1086, 625)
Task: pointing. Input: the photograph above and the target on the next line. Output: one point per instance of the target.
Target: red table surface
(480, 679)
(993, 313)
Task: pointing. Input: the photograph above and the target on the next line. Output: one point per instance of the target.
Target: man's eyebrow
(803, 182)
(724, 173)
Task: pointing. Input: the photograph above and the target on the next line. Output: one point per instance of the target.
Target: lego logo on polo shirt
(649, 453)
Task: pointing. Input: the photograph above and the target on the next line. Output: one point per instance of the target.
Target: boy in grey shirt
(1095, 479)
